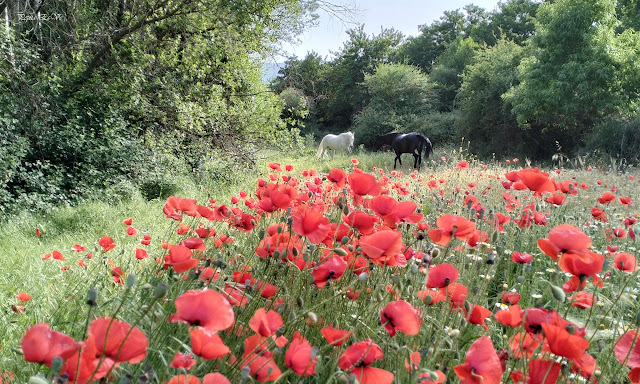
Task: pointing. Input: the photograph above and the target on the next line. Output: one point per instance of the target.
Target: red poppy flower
(606, 198)
(510, 298)
(511, 317)
(521, 258)
(442, 275)
(262, 368)
(215, 378)
(180, 258)
(78, 248)
(116, 341)
(334, 336)
(38, 233)
(298, 356)
(183, 379)
(462, 164)
(131, 231)
(265, 323)
(536, 181)
(194, 243)
(118, 275)
(206, 308)
(481, 364)
(626, 201)
(450, 225)
(625, 346)
(599, 215)
(357, 360)
(384, 248)
(24, 297)
(331, 269)
(141, 254)
(183, 360)
(478, 315)
(364, 184)
(361, 221)
(562, 343)
(427, 378)
(582, 300)
(312, 224)
(556, 199)
(81, 366)
(176, 206)
(338, 177)
(543, 372)
(146, 240)
(523, 344)
(400, 316)
(564, 238)
(415, 362)
(106, 243)
(207, 344)
(127, 221)
(625, 262)
(41, 345)
(585, 263)
(266, 289)
(455, 293)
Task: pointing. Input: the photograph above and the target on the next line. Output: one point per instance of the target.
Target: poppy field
(461, 272)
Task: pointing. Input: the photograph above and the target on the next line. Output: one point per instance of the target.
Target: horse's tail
(428, 149)
(321, 148)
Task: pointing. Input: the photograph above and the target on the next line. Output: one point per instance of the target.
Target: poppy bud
(469, 203)
(125, 379)
(290, 221)
(280, 229)
(363, 276)
(92, 297)
(300, 302)
(520, 279)
(601, 345)
(473, 211)
(56, 365)
(414, 268)
(557, 293)
(276, 254)
(261, 233)
(310, 194)
(428, 299)
(448, 343)
(340, 252)
(160, 291)
(280, 331)
(490, 259)
(345, 210)
(454, 333)
(342, 378)
(38, 379)
(467, 306)
(564, 369)
(435, 252)
(481, 214)
(144, 307)
(344, 240)
(277, 351)
(312, 247)
(313, 318)
(395, 279)
(244, 373)
(284, 253)
(420, 236)
(131, 280)
(571, 329)
(494, 237)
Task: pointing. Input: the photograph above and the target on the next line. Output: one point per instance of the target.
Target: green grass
(58, 297)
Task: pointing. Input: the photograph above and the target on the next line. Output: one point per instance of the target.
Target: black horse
(413, 143)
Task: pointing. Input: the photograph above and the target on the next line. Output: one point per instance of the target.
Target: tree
(515, 20)
(486, 118)
(400, 96)
(447, 73)
(344, 96)
(570, 79)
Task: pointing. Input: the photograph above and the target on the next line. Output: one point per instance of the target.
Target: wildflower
(481, 361)
(41, 345)
(357, 360)
(141, 254)
(180, 258)
(451, 226)
(207, 344)
(334, 336)
(384, 248)
(298, 356)
(311, 224)
(106, 243)
(265, 323)
(206, 308)
(442, 275)
(24, 297)
(331, 269)
(183, 360)
(400, 316)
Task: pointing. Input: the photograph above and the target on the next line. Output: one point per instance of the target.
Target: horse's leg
(398, 159)
(416, 158)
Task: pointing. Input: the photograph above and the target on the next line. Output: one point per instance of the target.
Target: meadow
(339, 270)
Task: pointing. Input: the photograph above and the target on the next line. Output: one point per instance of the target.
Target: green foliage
(485, 117)
(618, 137)
(570, 79)
(400, 95)
(447, 73)
(515, 20)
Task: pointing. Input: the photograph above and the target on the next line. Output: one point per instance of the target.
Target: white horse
(343, 142)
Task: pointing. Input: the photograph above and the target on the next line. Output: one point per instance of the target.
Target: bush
(618, 137)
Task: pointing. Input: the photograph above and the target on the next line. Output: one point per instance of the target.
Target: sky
(402, 15)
